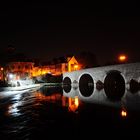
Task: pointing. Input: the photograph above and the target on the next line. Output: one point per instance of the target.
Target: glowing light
(1, 69)
(76, 101)
(11, 76)
(14, 108)
(122, 58)
(73, 104)
(123, 113)
(75, 67)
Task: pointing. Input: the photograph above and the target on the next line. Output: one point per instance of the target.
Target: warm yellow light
(76, 102)
(123, 113)
(76, 66)
(73, 104)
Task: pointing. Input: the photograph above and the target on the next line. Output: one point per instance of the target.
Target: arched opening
(114, 85)
(86, 85)
(67, 84)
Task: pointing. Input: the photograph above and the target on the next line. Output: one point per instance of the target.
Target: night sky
(52, 29)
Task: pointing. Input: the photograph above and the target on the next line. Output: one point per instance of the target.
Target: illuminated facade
(72, 64)
(20, 68)
(65, 65)
(58, 67)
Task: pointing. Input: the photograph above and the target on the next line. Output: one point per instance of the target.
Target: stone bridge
(115, 85)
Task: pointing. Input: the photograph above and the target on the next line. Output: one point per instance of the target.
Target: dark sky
(52, 29)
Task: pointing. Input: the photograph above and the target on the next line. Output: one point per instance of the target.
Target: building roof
(59, 60)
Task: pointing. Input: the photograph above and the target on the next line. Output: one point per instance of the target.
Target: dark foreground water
(47, 114)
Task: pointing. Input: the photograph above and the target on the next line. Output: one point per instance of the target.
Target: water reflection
(13, 108)
(72, 100)
(51, 109)
(129, 100)
(71, 103)
(51, 98)
(124, 113)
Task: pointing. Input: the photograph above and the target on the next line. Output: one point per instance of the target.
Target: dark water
(46, 113)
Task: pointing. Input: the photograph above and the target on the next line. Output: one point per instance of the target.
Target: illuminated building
(20, 67)
(58, 66)
(15, 71)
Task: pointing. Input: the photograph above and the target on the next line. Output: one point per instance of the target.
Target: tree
(87, 59)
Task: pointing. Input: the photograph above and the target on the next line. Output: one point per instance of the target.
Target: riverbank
(20, 87)
(10, 91)
(51, 84)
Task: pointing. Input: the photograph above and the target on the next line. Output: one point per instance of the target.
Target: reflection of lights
(53, 97)
(73, 104)
(76, 101)
(13, 109)
(17, 96)
(123, 113)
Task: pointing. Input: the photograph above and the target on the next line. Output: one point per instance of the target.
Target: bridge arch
(114, 85)
(67, 84)
(86, 84)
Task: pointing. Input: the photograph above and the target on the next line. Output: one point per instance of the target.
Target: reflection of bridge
(111, 85)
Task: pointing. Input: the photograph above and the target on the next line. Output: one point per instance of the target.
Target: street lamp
(122, 58)
(1, 68)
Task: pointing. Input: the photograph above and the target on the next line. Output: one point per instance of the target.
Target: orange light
(122, 58)
(76, 101)
(75, 67)
(123, 113)
(73, 104)
(1, 69)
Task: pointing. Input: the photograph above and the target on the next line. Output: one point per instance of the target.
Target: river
(46, 113)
